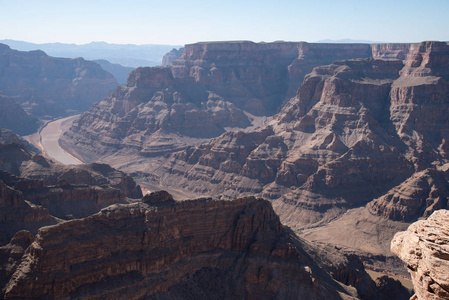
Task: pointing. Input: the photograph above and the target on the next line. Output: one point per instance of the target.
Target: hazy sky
(181, 22)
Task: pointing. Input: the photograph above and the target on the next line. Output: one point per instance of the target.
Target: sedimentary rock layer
(198, 249)
(424, 247)
(210, 87)
(35, 191)
(355, 131)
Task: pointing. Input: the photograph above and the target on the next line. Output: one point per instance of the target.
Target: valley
(305, 160)
(49, 140)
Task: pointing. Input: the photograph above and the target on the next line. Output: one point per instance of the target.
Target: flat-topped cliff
(210, 88)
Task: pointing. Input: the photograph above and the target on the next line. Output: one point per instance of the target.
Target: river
(49, 140)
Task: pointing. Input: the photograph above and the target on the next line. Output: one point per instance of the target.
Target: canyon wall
(210, 88)
(161, 249)
(356, 131)
(48, 86)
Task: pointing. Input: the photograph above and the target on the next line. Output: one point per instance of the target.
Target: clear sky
(178, 22)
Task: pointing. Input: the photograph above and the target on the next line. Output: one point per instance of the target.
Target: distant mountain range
(128, 55)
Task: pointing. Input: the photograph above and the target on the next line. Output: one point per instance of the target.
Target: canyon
(299, 162)
(359, 142)
(86, 232)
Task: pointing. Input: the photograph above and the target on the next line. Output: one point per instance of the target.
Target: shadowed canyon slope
(35, 191)
(49, 86)
(210, 88)
(162, 249)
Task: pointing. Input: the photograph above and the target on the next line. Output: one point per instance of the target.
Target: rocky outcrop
(13, 151)
(171, 56)
(198, 249)
(418, 196)
(15, 213)
(13, 117)
(208, 89)
(35, 191)
(49, 86)
(424, 248)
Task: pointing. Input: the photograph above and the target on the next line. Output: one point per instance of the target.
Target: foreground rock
(424, 247)
(49, 87)
(199, 249)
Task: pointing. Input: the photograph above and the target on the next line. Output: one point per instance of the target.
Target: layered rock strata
(352, 134)
(208, 89)
(424, 247)
(36, 192)
(49, 86)
(198, 249)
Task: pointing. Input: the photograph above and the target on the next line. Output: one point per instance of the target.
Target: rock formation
(424, 249)
(198, 249)
(171, 56)
(348, 137)
(49, 86)
(35, 191)
(120, 72)
(360, 132)
(209, 88)
(12, 116)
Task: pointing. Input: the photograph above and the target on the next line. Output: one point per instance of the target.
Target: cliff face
(13, 117)
(424, 248)
(198, 249)
(356, 130)
(50, 86)
(36, 191)
(171, 56)
(209, 88)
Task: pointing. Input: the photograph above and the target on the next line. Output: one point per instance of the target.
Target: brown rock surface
(198, 249)
(424, 248)
(35, 191)
(358, 131)
(49, 86)
(343, 141)
(209, 88)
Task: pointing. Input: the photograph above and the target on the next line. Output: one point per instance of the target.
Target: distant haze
(175, 22)
(126, 55)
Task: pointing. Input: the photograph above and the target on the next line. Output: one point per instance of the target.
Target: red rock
(233, 249)
(424, 248)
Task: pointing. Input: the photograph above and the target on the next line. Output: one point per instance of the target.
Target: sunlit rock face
(424, 248)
